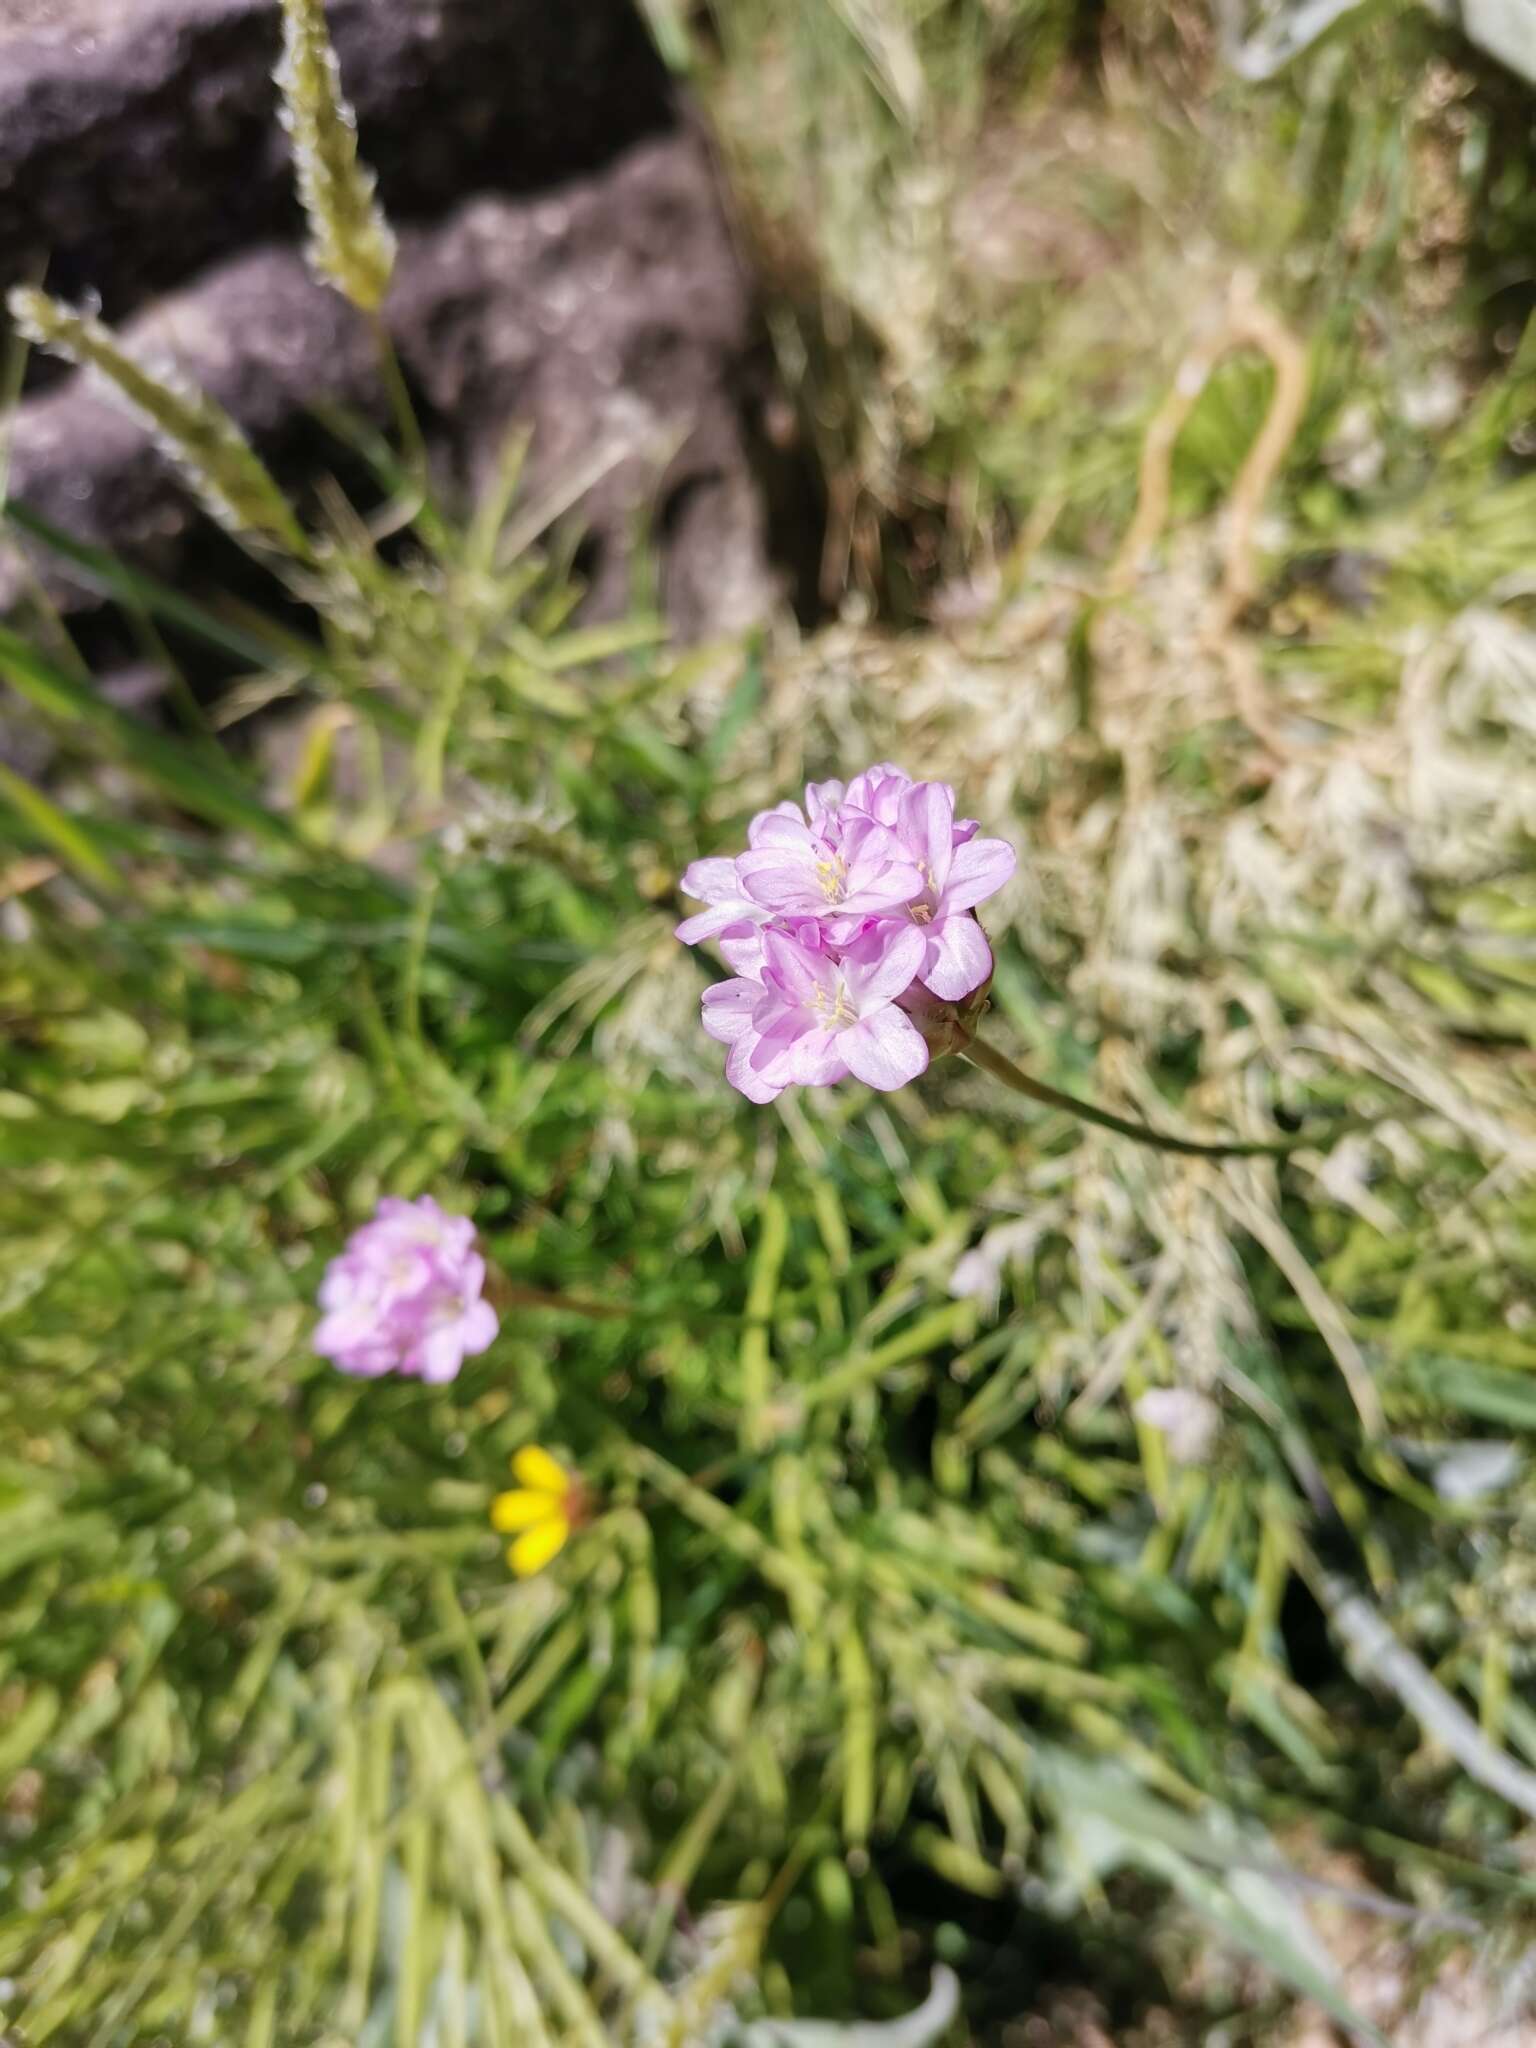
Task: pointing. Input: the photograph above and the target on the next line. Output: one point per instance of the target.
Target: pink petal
(892, 889)
(778, 883)
(784, 1042)
(839, 932)
(782, 826)
(335, 1333)
(817, 1060)
(756, 1087)
(797, 971)
(926, 823)
(866, 841)
(459, 1235)
(885, 1049)
(337, 1286)
(883, 963)
(361, 1361)
(959, 958)
(822, 800)
(741, 948)
(439, 1355)
(477, 1328)
(712, 881)
(979, 870)
(709, 924)
(878, 791)
(778, 1038)
(727, 1008)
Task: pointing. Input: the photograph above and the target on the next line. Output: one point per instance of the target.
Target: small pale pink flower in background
(1188, 1419)
(843, 922)
(978, 1273)
(405, 1295)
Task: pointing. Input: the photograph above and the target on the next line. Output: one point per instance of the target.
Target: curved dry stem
(1247, 325)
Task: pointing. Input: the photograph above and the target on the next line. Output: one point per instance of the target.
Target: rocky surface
(609, 316)
(139, 138)
(565, 265)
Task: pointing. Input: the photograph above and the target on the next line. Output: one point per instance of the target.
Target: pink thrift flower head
(844, 922)
(405, 1295)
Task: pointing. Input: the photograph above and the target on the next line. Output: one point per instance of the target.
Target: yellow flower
(546, 1504)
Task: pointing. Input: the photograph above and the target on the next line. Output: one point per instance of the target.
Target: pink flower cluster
(405, 1295)
(841, 921)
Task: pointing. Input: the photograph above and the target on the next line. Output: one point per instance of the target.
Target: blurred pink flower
(837, 913)
(405, 1295)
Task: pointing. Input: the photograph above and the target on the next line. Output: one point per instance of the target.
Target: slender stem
(993, 1062)
(407, 426)
(432, 740)
(513, 1294)
(415, 955)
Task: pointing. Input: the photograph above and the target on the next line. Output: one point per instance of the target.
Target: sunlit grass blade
(53, 827)
(185, 779)
(143, 592)
(220, 465)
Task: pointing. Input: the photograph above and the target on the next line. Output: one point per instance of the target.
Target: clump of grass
(898, 1604)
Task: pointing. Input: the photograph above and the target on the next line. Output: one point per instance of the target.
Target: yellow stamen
(836, 1008)
(834, 876)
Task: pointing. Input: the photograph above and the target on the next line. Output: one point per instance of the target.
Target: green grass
(899, 1632)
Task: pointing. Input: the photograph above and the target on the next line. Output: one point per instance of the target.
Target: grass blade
(193, 785)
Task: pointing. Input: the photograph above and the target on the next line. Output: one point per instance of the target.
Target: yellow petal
(536, 1468)
(520, 1509)
(535, 1547)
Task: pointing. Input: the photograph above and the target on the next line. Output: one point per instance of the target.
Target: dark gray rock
(139, 138)
(609, 314)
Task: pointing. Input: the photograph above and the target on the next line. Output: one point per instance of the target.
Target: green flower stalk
(1001, 1068)
(350, 243)
(226, 474)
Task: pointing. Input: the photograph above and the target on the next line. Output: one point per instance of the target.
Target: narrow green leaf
(140, 592)
(55, 828)
(186, 780)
